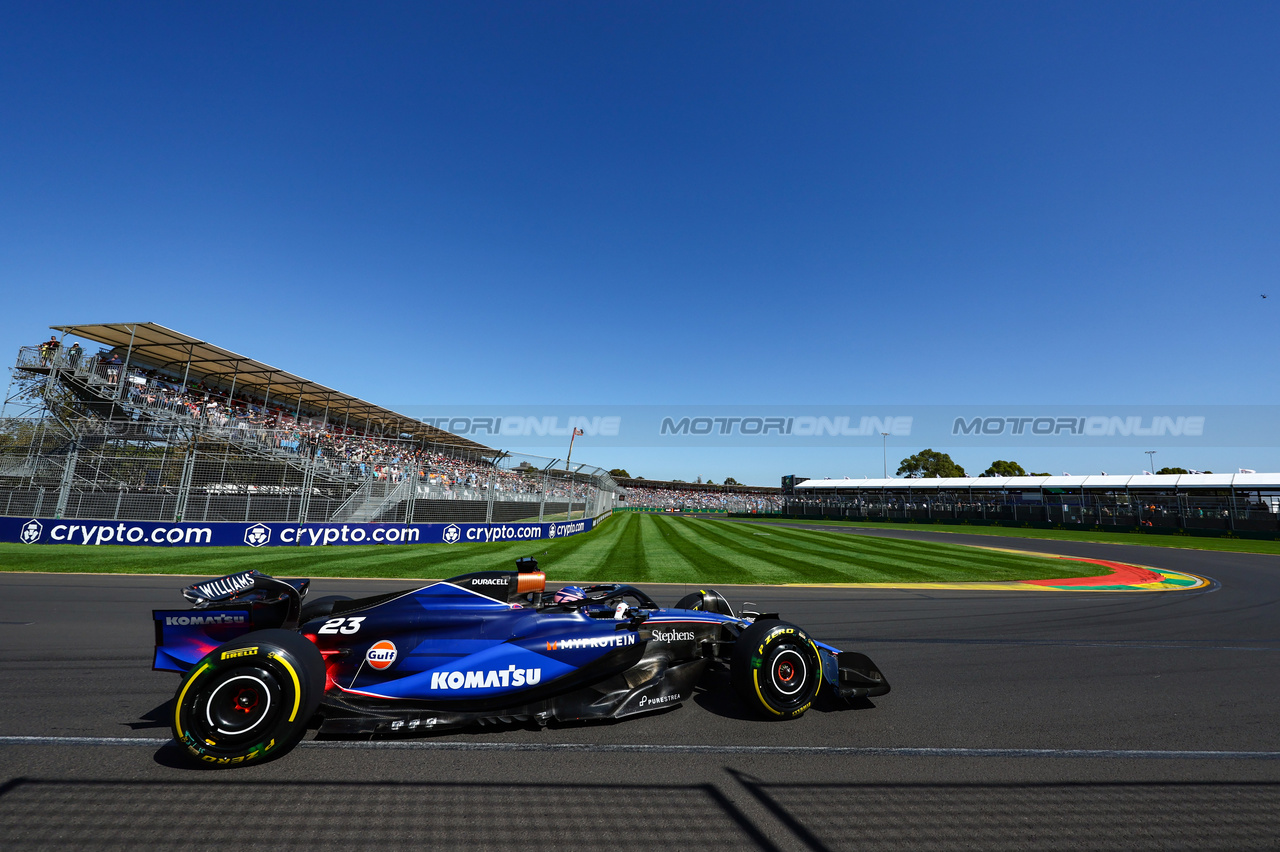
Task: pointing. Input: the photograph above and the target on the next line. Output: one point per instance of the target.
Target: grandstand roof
(163, 347)
(1250, 481)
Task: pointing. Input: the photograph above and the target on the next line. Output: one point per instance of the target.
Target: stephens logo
(673, 635)
(510, 676)
(31, 532)
(452, 534)
(381, 655)
(257, 535)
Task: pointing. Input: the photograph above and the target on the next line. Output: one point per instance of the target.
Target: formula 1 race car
(259, 665)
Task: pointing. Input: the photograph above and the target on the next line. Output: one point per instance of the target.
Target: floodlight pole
(1151, 454)
(884, 449)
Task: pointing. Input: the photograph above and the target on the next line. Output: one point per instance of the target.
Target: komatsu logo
(613, 640)
(673, 635)
(184, 620)
(491, 679)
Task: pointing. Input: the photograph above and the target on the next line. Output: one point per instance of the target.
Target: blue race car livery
(260, 666)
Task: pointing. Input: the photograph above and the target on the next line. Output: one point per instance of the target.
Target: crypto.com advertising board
(146, 533)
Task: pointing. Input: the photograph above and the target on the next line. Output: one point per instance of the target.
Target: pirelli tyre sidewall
(249, 700)
(776, 669)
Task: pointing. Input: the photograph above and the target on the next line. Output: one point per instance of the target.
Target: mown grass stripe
(636, 548)
(708, 567)
(804, 571)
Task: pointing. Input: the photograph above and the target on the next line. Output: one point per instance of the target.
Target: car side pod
(859, 677)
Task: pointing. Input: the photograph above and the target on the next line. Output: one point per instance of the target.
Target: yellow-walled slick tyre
(249, 701)
(775, 669)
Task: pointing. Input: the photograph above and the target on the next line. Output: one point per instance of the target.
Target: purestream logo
(490, 679)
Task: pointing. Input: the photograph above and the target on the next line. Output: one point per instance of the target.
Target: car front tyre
(775, 669)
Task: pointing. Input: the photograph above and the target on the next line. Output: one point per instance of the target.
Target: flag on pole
(577, 432)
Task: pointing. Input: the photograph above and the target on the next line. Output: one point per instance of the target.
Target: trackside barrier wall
(147, 533)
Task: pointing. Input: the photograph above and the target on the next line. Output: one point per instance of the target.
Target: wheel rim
(790, 672)
(239, 706)
(790, 676)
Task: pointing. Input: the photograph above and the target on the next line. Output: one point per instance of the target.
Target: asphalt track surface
(1048, 720)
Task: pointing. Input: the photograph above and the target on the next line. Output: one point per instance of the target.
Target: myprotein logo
(381, 654)
(196, 620)
(488, 679)
(613, 640)
(31, 532)
(673, 635)
(1088, 426)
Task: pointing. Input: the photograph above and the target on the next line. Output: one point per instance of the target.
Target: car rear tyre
(249, 700)
(775, 669)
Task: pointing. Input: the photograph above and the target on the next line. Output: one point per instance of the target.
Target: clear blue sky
(604, 203)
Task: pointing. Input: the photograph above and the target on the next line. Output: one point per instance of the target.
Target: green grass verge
(628, 548)
(1231, 545)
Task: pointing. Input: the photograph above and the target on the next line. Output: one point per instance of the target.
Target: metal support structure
(68, 476)
(184, 482)
(123, 379)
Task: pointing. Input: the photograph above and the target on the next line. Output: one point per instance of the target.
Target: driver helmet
(568, 593)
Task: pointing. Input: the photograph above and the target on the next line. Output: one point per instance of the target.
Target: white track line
(640, 748)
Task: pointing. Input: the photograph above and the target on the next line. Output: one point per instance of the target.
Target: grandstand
(159, 425)
(1240, 502)
(696, 496)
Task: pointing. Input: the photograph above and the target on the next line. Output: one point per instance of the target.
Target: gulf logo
(381, 654)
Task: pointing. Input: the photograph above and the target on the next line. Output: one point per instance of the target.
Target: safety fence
(1226, 510)
(200, 471)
